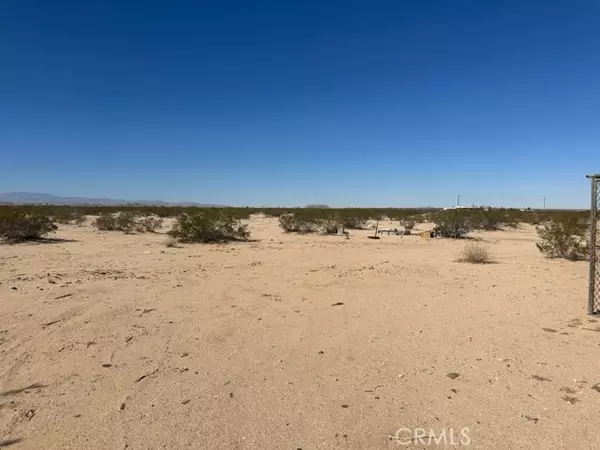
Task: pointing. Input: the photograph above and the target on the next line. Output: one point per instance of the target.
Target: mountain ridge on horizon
(35, 198)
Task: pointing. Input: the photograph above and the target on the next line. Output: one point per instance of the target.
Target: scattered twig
(63, 296)
(533, 419)
(375, 388)
(146, 375)
(47, 324)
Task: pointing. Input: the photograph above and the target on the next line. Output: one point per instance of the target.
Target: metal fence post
(594, 293)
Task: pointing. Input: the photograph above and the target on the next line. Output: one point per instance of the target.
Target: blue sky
(349, 103)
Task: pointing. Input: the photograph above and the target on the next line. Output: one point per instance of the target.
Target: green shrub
(564, 237)
(62, 216)
(353, 222)
(452, 223)
(298, 222)
(105, 222)
(68, 216)
(495, 219)
(19, 227)
(475, 253)
(208, 226)
(128, 222)
(122, 221)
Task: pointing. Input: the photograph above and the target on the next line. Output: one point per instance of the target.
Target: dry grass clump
(475, 253)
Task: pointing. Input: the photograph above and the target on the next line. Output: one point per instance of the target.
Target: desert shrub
(475, 253)
(452, 223)
(105, 222)
(329, 225)
(68, 216)
(62, 216)
(122, 221)
(19, 226)
(495, 219)
(564, 237)
(79, 218)
(298, 222)
(126, 221)
(148, 224)
(408, 223)
(353, 222)
(171, 242)
(216, 226)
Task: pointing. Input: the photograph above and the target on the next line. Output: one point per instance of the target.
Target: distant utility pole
(544, 202)
(458, 200)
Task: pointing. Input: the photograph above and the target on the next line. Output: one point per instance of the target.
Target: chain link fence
(594, 295)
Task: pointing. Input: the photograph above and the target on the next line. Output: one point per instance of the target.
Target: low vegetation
(206, 227)
(452, 224)
(68, 217)
(18, 226)
(475, 253)
(128, 222)
(408, 223)
(298, 222)
(171, 242)
(564, 236)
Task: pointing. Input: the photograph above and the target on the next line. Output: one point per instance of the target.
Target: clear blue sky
(289, 102)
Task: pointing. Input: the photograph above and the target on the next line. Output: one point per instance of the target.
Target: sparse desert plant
(105, 222)
(329, 225)
(408, 223)
(452, 224)
(564, 237)
(125, 221)
(62, 216)
(148, 224)
(298, 222)
(354, 222)
(19, 227)
(475, 253)
(79, 219)
(171, 242)
(68, 216)
(209, 227)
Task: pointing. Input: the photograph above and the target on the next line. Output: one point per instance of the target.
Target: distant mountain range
(30, 198)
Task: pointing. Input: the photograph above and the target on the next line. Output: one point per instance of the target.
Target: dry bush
(148, 224)
(329, 225)
(205, 227)
(564, 237)
(20, 227)
(475, 253)
(79, 219)
(171, 242)
(408, 223)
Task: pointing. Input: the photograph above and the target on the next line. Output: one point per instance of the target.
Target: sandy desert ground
(114, 341)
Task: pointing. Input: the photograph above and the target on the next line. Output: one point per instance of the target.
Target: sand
(114, 341)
